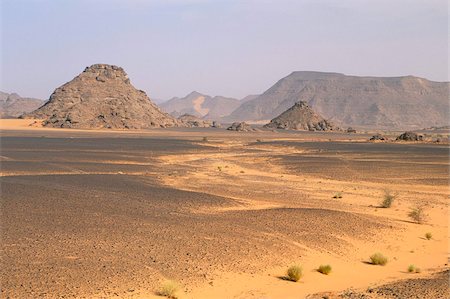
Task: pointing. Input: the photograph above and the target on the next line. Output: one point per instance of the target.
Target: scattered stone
(410, 136)
(351, 130)
(240, 127)
(101, 97)
(300, 117)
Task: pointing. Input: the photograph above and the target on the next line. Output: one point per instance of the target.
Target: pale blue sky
(231, 48)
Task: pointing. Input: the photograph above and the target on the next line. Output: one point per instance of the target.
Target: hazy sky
(231, 48)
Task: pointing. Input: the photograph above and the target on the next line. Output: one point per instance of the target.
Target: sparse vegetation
(294, 273)
(219, 168)
(417, 214)
(413, 269)
(324, 269)
(378, 259)
(338, 195)
(388, 199)
(169, 289)
(205, 139)
(428, 236)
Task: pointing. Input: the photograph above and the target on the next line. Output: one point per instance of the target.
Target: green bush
(324, 269)
(378, 259)
(294, 273)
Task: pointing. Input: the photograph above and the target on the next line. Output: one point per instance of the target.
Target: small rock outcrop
(101, 97)
(350, 130)
(409, 136)
(300, 117)
(240, 127)
(377, 137)
(192, 121)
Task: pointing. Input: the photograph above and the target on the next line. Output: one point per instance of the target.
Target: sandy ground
(100, 214)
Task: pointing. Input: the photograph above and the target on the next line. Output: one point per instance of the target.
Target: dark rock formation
(410, 136)
(377, 137)
(194, 122)
(300, 117)
(240, 127)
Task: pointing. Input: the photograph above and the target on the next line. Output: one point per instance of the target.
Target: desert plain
(104, 214)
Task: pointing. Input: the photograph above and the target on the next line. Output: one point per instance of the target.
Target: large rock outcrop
(101, 97)
(371, 102)
(300, 117)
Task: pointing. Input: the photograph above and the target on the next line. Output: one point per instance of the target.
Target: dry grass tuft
(413, 269)
(388, 199)
(338, 195)
(324, 269)
(169, 289)
(294, 273)
(378, 259)
(417, 214)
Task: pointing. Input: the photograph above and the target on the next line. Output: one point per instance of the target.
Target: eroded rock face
(101, 97)
(300, 117)
(240, 127)
(410, 136)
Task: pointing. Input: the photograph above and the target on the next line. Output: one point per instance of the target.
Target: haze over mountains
(200, 105)
(380, 102)
(13, 105)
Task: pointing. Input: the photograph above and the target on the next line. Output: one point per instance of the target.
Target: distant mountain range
(200, 105)
(13, 105)
(366, 102)
(378, 102)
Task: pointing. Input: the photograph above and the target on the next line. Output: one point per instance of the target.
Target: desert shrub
(413, 269)
(428, 236)
(294, 273)
(338, 195)
(417, 214)
(388, 199)
(324, 269)
(169, 289)
(219, 168)
(205, 139)
(378, 259)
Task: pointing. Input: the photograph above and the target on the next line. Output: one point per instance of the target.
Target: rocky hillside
(397, 102)
(200, 105)
(12, 105)
(300, 117)
(101, 97)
